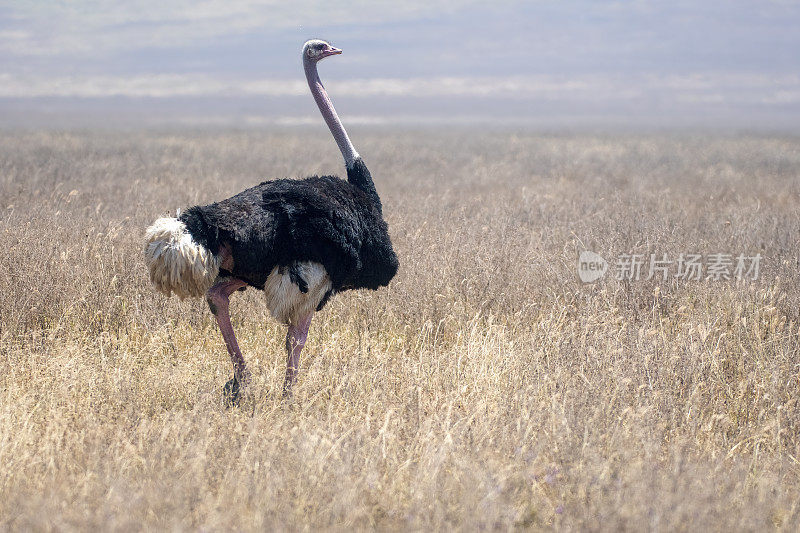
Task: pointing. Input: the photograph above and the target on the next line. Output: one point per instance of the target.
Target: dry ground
(486, 388)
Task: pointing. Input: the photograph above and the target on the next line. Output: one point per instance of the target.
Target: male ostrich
(300, 241)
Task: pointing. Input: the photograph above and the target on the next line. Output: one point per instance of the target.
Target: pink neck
(329, 113)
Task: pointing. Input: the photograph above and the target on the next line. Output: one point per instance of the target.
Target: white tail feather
(177, 263)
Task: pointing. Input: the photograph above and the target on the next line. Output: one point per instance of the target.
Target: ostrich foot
(230, 393)
(235, 388)
(287, 390)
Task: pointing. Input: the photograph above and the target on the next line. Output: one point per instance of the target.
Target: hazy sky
(539, 62)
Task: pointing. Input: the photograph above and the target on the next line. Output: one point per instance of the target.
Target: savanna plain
(487, 388)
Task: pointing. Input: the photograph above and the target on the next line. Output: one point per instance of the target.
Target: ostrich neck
(329, 113)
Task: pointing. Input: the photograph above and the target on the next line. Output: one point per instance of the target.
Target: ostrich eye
(319, 46)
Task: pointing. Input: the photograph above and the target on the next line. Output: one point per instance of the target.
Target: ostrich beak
(333, 52)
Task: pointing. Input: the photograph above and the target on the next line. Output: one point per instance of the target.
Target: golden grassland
(485, 388)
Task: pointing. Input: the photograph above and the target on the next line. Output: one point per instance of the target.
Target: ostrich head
(317, 49)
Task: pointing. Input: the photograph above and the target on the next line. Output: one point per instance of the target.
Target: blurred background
(538, 64)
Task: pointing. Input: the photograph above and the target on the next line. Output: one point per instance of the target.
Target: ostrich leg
(218, 299)
(295, 340)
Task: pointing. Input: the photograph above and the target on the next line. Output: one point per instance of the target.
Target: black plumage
(323, 219)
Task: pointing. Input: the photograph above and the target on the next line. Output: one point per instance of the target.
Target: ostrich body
(299, 241)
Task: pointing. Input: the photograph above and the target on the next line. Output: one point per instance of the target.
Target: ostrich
(299, 241)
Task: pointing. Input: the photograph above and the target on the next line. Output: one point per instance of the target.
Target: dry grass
(486, 388)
